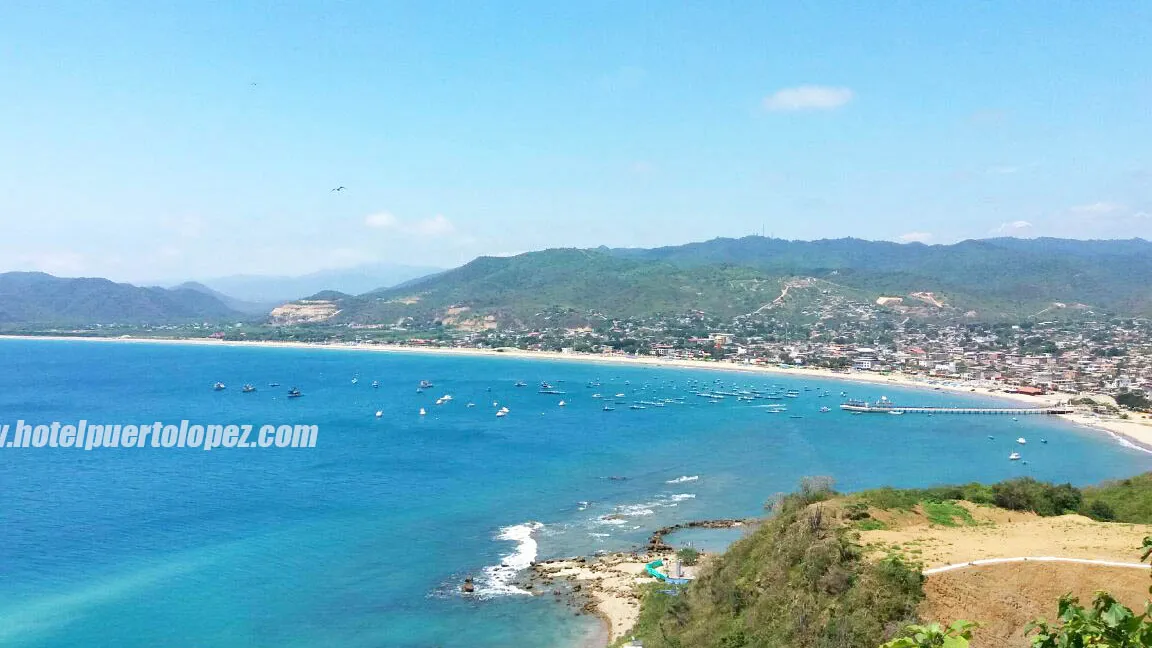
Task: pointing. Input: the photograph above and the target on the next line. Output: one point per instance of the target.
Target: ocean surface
(365, 539)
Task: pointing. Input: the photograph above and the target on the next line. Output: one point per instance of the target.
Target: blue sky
(173, 140)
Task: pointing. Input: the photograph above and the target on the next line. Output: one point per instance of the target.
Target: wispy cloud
(808, 97)
(1098, 209)
(437, 225)
(915, 237)
(1013, 227)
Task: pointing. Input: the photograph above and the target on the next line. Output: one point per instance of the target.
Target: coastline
(1130, 432)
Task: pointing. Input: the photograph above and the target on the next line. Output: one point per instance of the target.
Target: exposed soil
(1005, 598)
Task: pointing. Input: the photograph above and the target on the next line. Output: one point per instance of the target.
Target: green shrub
(688, 555)
(798, 581)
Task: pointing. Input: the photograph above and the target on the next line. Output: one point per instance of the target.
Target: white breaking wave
(680, 497)
(498, 578)
(681, 480)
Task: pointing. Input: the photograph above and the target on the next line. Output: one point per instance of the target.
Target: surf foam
(498, 578)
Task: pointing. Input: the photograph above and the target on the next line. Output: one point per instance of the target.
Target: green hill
(994, 279)
(35, 298)
(589, 283)
(1002, 276)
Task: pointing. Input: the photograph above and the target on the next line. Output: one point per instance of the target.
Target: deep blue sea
(363, 540)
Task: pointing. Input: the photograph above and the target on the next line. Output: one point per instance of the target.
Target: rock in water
(468, 587)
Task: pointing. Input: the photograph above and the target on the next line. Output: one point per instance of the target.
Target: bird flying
(340, 188)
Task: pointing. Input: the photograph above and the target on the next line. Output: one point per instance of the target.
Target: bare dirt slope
(996, 533)
(1005, 598)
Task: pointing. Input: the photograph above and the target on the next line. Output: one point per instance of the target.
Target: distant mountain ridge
(278, 289)
(39, 298)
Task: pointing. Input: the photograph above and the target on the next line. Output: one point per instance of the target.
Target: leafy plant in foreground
(934, 635)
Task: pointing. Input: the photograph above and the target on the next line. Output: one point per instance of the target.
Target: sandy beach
(1137, 432)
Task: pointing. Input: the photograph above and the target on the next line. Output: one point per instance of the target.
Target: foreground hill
(39, 298)
(830, 570)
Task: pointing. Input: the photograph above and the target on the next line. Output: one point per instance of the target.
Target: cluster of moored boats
(249, 388)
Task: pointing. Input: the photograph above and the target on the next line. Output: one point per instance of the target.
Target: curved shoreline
(1129, 432)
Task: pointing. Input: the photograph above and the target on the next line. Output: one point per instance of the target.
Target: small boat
(990, 437)
(219, 386)
(1021, 440)
(608, 408)
(501, 414)
(897, 413)
(825, 409)
(1014, 456)
(379, 413)
(247, 389)
(471, 405)
(596, 396)
(424, 384)
(619, 395)
(562, 403)
(294, 393)
(1043, 440)
(273, 384)
(504, 409)
(375, 384)
(521, 383)
(355, 380)
(637, 407)
(423, 412)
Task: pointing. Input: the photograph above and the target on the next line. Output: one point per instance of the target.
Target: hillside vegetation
(992, 279)
(799, 581)
(804, 578)
(1013, 276)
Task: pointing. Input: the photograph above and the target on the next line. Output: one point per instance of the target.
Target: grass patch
(947, 514)
(870, 524)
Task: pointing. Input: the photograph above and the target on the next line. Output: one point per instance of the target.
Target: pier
(896, 409)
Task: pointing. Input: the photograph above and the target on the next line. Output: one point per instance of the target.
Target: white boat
(471, 405)
(422, 412)
(825, 409)
(562, 403)
(896, 413)
(375, 384)
(501, 413)
(1014, 456)
(619, 395)
(218, 386)
(1021, 440)
(355, 380)
(379, 413)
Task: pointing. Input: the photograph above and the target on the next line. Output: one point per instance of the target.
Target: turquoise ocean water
(363, 540)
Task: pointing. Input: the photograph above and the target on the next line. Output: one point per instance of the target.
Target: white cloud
(808, 97)
(1014, 227)
(1097, 209)
(915, 237)
(437, 225)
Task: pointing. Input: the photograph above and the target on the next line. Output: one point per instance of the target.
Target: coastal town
(1060, 357)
